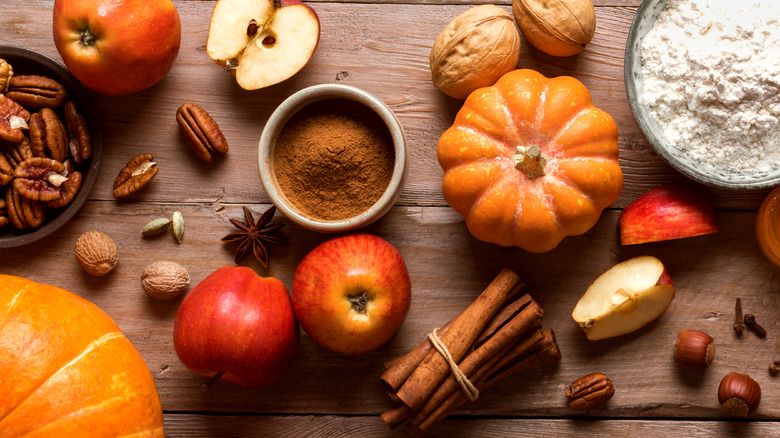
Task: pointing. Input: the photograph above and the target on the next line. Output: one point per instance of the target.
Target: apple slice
(670, 211)
(262, 42)
(625, 298)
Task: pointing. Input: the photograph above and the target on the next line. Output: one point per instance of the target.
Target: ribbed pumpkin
(530, 160)
(67, 371)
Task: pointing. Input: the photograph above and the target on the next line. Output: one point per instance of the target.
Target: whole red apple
(238, 326)
(352, 293)
(117, 47)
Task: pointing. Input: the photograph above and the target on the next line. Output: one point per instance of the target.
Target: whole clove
(739, 325)
(750, 322)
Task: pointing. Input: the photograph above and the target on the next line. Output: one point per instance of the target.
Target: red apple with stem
(352, 293)
(237, 326)
(669, 211)
(117, 47)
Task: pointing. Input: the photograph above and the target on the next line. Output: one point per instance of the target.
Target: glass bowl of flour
(703, 81)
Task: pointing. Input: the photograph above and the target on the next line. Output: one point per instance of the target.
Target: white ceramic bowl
(293, 105)
(643, 21)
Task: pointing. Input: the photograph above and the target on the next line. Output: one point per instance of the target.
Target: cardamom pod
(177, 226)
(156, 226)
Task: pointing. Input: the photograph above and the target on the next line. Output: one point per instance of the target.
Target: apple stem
(87, 38)
(212, 381)
(359, 301)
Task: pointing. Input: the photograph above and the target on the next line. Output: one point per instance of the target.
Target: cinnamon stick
(546, 350)
(464, 329)
(400, 368)
(529, 318)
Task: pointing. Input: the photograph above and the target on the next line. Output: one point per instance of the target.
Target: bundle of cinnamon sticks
(493, 338)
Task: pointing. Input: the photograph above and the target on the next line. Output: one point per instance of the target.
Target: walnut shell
(474, 50)
(556, 27)
(96, 253)
(165, 280)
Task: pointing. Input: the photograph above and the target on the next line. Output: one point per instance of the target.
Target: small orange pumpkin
(530, 160)
(66, 369)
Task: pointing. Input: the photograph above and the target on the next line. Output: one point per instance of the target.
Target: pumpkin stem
(529, 159)
(212, 381)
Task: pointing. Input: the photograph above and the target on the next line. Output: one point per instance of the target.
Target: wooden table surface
(382, 46)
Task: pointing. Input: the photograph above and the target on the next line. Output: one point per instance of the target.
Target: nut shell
(165, 280)
(694, 349)
(556, 27)
(474, 50)
(739, 394)
(96, 253)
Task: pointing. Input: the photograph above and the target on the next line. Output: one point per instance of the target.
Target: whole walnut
(556, 27)
(474, 50)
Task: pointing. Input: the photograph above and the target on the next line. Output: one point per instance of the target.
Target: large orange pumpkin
(67, 371)
(530, 160)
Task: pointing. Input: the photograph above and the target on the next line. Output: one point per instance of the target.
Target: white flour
(712, 76)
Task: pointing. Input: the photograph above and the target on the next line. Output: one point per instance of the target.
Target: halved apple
(669, 211)
(262, 42)
(625, 298)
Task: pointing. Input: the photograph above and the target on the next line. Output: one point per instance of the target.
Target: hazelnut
(165, 280)
(96, 253)
(694, 349)
(739, 394)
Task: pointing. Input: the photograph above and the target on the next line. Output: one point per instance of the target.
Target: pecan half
(589, 391)
(201, 131)
(11, 154)
(136, 174)
(48, 134)
(39, 179)
(6, 73)
(22, 212)
(13, 118)
(68, 190)
(3, 214)
(34, 91)
(79, 140)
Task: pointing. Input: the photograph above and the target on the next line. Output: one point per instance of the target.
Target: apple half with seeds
(669, 211)
(625, 298)
(262, 42)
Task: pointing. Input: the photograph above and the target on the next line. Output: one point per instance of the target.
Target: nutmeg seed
(165, 280)
(739, 394)
(96, 253)
(694, 349)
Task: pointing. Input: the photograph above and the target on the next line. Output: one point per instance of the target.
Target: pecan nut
(589, 391)
(3, 214)
(6, 73)
(79, 139)
(34, 91)
(39, 179)
(68, 190)
(47, 133)
(135, 175)
(24, 213)
(11, 154)
(201, 131)
(13, 118)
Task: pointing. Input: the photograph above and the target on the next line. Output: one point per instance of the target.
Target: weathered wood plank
(448, 268)
(177, 425)
(361, 45)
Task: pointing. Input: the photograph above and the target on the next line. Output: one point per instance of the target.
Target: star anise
(255, 236)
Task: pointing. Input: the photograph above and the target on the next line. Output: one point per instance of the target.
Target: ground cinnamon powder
(334, 159)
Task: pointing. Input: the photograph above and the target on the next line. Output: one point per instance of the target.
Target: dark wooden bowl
(26, 61)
